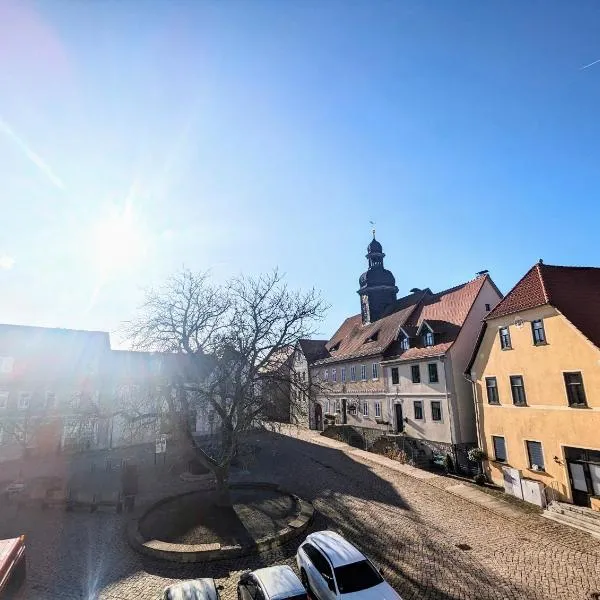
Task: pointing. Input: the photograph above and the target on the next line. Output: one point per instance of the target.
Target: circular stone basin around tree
(195, 518)
(192, 527)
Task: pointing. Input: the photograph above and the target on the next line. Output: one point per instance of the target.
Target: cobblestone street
(412, 528)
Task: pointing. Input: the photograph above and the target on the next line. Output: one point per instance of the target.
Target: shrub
(476, 455)
(480, 479)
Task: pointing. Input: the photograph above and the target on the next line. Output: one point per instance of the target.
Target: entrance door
(579, 483)
(399, 418)
(318, 417)
(344, 411)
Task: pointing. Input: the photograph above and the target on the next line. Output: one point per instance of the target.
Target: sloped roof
(313, 349)
(52, 352)
(574, 291)
(445, 312)
(352, 336)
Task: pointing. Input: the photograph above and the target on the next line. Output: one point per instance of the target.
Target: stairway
(579, 517)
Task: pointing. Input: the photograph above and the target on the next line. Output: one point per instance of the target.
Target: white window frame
(4, 395)
(24, 405)
(76, 400)
(505, 461)
(422, 410)
(377, 409)
(353, 373)
(326, 375)
(343, 374)
(441, 419)
(336, 406)
(334, 375)
(375, 371)
(365, 408)
(530, 465)
(363, 372)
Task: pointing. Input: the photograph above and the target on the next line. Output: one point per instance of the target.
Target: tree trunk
(223, 495)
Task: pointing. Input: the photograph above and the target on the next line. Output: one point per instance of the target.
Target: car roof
(194, 589)
(338, 550)
(279, 582)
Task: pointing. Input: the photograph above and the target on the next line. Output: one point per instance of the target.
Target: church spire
(377, 285)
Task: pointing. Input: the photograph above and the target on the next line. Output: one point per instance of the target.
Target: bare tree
(230, 339)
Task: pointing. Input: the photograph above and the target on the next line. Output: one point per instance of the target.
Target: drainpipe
(450, 410)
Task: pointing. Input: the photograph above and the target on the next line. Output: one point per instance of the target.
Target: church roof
(445, 313)
(354, 340)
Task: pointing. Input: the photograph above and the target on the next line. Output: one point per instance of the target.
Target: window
(405, 343)
(24, 400)
(337, 406)
(325, 375)
(76, 400)
(3, 399)
(50, 399)
(428, 338)
(363, 372)
(415, 371)
(352, 373)
(357, 576)
(487, 308)
(491, 386)
(366, 408)
(433, 372)
(536, 455)
(575, 389)
(343, 374)
(499, 448)
(1, 434)
(375, 369)
(377, 409)
(418, 406)
(321, 565)
(395, 376)
(505, 338)
(537, 331)
(333, 374)
(436, 410)
(518, 390)
(6, 364)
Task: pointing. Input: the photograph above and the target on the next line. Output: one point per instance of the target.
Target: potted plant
(476, 455)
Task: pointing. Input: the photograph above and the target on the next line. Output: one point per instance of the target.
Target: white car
(194, 589)
(271, 583)
(331, 568)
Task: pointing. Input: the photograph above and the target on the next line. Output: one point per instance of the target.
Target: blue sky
(238, 136)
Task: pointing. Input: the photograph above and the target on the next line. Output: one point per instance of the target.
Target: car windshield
(356, 576)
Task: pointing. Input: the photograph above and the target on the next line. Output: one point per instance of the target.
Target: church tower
(377, 285)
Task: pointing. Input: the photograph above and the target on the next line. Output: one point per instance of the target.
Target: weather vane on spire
(373, 225)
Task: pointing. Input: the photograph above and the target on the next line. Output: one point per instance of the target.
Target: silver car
(194, 589)
(271, 583)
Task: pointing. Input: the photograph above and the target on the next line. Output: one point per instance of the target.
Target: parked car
(271, 583)
(194, 589)
(331, 568)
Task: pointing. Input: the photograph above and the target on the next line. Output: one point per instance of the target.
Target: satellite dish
(519, 322)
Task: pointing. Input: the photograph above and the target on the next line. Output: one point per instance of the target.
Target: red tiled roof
(352, 336)
(313, 349)
(529, 292)
(445, 312)
(574, 291)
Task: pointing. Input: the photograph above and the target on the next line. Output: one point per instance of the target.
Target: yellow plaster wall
(548, 417)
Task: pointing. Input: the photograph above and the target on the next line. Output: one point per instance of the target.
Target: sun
(118, 241)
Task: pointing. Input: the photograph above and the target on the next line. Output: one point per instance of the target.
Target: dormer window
(428, 338)
(405, 343)
(373, 337)
(335, 347)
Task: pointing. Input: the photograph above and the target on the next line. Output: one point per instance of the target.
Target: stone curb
(192, 553)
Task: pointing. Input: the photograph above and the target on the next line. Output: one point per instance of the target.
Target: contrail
(590, 65)
(31, 155)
